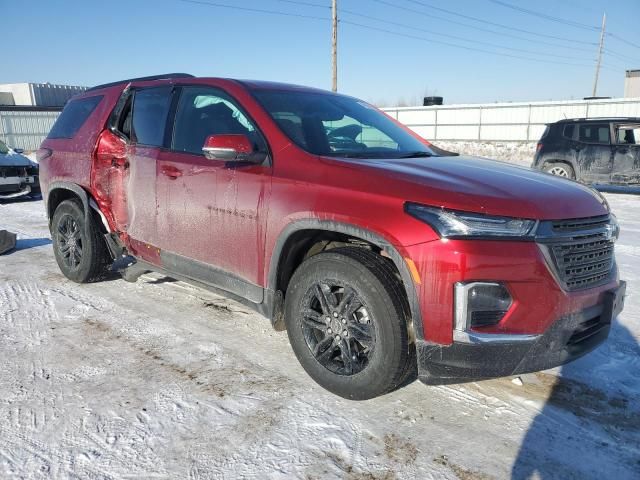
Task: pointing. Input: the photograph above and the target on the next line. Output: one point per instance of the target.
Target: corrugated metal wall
(48, 95)
(520, 122)
(25, 128)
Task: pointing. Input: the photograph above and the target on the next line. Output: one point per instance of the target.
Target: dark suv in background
(593, 150)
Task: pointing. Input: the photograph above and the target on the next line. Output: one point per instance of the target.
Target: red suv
(379, 254)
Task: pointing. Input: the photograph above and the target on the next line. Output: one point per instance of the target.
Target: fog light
(480, 304)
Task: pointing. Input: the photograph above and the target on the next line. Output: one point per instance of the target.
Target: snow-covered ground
(520, 153)
(161, 380)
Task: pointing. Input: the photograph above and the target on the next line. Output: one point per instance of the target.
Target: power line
(562, 21)
(620, 39)
(455, 37)
(480, 20)
(463, 47)
(369, 27)
(306, 4)
(625, 58)
(255, 10)
(546, 16)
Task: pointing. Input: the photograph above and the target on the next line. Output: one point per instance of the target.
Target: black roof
(600, 119)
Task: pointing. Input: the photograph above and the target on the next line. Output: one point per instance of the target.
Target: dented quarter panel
(626, 165)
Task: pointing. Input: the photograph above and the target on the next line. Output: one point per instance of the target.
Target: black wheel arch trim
(354, 231)
(88, 202)
(80, 192)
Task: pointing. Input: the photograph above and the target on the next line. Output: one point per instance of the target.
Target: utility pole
(595, 81)
(334, 45)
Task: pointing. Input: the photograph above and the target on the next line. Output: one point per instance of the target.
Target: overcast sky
(388, 50)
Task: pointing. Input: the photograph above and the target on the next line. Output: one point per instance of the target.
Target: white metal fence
(493, 122)
(490, 122)
(25, 128)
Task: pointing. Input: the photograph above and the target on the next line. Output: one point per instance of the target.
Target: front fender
(375, 238)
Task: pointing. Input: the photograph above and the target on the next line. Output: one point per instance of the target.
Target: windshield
(3, 148)
(338, 126)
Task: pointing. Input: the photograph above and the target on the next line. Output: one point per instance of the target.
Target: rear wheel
(79, 249)
(560, 169)
(346, 319)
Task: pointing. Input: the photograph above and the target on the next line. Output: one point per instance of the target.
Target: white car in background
(18, 174)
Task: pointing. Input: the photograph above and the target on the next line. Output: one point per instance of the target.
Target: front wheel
(347, 319)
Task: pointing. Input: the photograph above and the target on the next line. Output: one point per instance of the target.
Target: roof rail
(598, 119)
(164, 76)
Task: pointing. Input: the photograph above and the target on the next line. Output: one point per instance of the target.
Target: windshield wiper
(416, 154)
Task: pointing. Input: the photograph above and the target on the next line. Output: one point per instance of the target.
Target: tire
(81, 252)
(560, 169)
(358, 293)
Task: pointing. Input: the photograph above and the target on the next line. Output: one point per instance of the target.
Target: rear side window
(150, 110)
(73, 116)
(628, 134)
(594, 133)
(568, 131)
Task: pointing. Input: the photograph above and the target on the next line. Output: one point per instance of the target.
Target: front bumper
(567, 339)
(14, 187)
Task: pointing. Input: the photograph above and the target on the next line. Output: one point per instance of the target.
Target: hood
(13, 159)
(492, 187)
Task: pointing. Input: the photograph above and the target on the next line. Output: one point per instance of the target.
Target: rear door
(595, 152)
(626, 157)
(125, 179)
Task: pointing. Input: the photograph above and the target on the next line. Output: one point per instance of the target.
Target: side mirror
(18, 150)
(228, 148)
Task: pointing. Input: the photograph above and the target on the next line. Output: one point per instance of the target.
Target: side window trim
(176, 92)
(116, 119)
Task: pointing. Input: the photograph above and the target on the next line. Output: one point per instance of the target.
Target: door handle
(171, 172)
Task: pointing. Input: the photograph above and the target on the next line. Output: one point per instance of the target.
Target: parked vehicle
(377, 255)
(18, 174)
(592, 150)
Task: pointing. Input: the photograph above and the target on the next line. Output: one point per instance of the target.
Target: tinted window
(568, 130)
(150, 110)
(73, 116)
(336, 125)
(204, 111)
(594, 133)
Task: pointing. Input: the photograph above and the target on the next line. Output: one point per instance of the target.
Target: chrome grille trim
(580, 252)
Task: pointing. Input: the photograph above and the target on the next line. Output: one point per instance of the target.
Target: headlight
(613, 227)
(452, 223)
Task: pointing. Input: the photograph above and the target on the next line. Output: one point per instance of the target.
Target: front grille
(577, 224)
(17, 171)
(581, 251)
